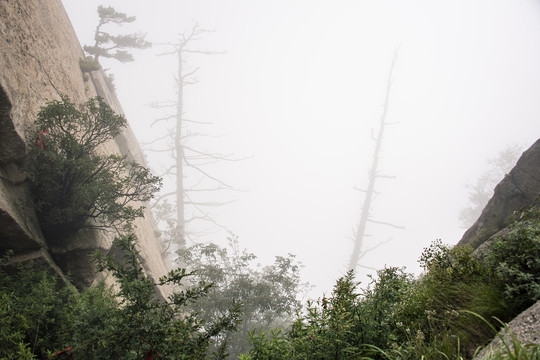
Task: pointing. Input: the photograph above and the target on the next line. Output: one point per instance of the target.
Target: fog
(298, 92)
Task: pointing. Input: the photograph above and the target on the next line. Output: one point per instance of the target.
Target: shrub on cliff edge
(75, 186)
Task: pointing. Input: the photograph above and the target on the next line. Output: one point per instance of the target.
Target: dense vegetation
(55, 321)
(448, 313)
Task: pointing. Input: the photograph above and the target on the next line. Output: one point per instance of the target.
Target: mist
(296, 90)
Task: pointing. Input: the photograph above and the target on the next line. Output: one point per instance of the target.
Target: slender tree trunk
(370, 191)
(180, 216)
(181, 152)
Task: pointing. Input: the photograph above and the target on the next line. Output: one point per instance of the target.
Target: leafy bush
(138, 324)
(71, 182)
(431, 315)
(42, 317)
(379, 305)
(89, 64)
(515, 259)
(33, 309)
(330, 329)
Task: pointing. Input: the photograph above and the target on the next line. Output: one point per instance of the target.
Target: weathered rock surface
(519, 188)
(39, 61)
(526, 327)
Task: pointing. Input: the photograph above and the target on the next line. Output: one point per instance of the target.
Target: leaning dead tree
(374, 174)
(170, 207)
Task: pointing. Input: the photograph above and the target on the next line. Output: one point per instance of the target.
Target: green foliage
(71, 182)
(431, 318)
(41, 317)
(395, 316)
(32, 311)
(437, 316)
(89, 65)
(446, 265)
(440, 315)
(139, 324)
(268, 295)
(515, 258)
(112, 46)
(380, 303)
(330, 329)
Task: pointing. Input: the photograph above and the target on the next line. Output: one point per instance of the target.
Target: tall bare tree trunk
(180, 215)
(373, 175)
(177, 219)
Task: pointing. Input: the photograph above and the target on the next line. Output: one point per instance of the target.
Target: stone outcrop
(39, 61)
(519, 188)
(525, 326)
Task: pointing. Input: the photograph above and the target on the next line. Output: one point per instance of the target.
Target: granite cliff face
(519, 188)
(39, 61)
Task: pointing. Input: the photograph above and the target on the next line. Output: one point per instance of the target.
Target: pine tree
(112, 46)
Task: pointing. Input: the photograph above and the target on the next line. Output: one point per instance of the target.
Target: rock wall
(39, 61)
(519, 188)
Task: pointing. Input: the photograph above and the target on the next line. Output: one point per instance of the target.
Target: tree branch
(387, 224)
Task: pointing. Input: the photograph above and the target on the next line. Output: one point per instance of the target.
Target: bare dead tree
(374, 174)
(184, 156)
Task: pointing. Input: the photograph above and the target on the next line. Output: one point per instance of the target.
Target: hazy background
(298, 91)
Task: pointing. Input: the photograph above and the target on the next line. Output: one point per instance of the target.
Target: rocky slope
(519, 188)
(39, 61)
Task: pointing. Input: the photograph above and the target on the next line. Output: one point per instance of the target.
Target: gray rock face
(39, 61)
(526, 327)
(12, 146)
(519, 188)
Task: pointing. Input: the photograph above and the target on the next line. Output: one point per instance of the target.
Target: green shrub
(378, 304)
(33, 311)
(43, 318)
(451, 264)
(431, 317)
(89, 64)
(132, 323)
(73, 185)
(329, 329)
(515, 259)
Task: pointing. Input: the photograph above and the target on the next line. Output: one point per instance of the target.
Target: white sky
(301, 86)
